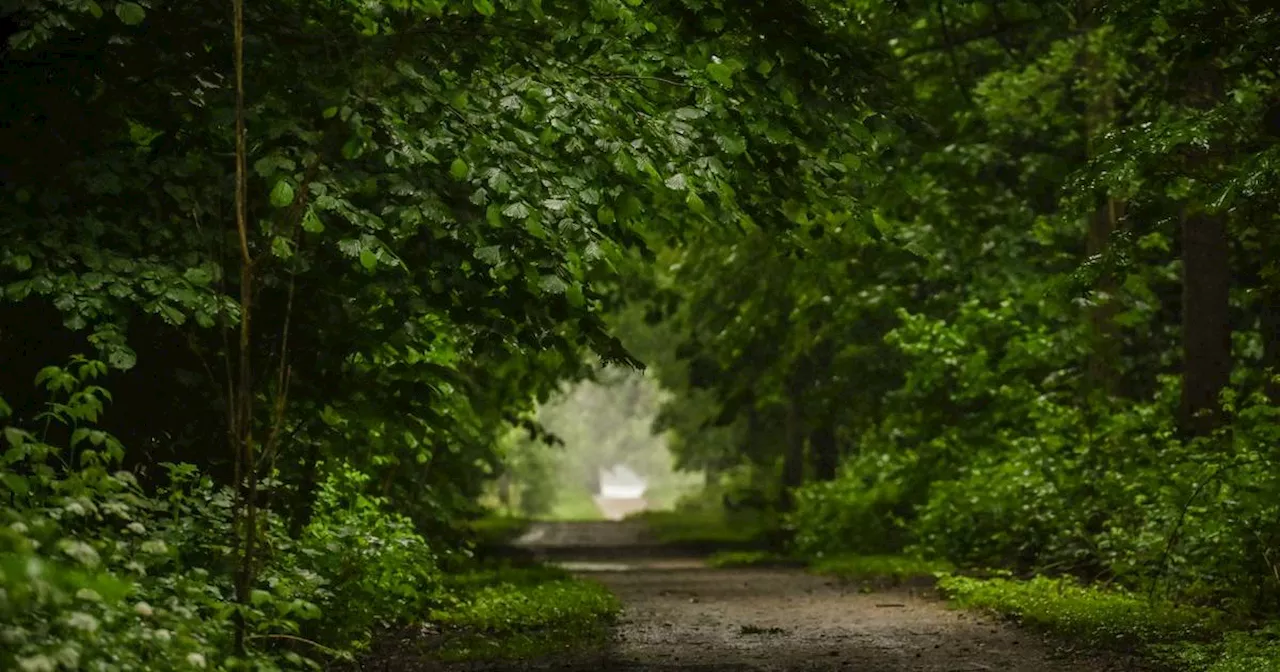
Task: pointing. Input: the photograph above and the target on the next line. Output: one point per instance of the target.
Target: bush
(98, 573)
(379, 571)
(862, 511)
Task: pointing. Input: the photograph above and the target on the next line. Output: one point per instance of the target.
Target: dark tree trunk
(1206, 329)
(823, 452)
(1271, 340)
(1099, 114)
(1104, 357)
(793, 458)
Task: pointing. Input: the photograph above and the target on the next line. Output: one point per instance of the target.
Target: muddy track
(680, 615)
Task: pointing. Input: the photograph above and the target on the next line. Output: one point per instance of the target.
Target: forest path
(681, 615)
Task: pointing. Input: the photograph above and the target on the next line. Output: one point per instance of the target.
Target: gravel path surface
(757, 619)
(680, 615)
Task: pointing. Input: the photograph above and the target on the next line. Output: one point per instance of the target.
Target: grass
(505, 612)
(709, 527)
(1101, 617)
(1183, 637)
(896, 567)
(497, 529)
(575, 504)
(725, 559)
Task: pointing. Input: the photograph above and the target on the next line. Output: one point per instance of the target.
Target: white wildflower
(144, 610)
(196, 660)
(82, 621)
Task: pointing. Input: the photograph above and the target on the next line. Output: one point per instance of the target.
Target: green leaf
(15, 483)
(131, 13)
(516, 210)
(5, 409)
(281, 248)
(16, 437)
(695, 203)
(20, 262)
(458, 169)
(282, 194)
(605, 215)
(485, 7)
(368, 259)
(311, 223)
(721, 73)
(198, 276)
(95, 9)
(490, 254)
(122, 358)
(677, 182)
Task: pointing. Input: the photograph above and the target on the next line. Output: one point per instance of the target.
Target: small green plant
(1098, 616)
(506, 612)
(897, 567)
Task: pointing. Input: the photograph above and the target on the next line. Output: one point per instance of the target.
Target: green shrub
(379, 571)
(861, 511)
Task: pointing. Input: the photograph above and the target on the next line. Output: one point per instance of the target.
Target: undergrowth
(740, 528)
(1184, 637)
(896, 567)
(507, 612)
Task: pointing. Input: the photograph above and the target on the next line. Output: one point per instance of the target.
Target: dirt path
(680, 615)
(756, 619)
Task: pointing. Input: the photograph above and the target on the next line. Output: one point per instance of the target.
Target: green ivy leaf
(131, 13)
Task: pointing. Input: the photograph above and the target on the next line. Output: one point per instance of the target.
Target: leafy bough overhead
(371, 233)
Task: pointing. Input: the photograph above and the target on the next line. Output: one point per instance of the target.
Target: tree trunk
(1104, 357)
(823, 452)
(1206, 329)
(793, 458)
(1271, 340)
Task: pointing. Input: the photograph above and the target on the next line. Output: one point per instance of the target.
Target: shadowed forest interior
(308, 308)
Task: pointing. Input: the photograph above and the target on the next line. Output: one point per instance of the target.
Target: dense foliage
(1046, 338)
(994, 281)
(311, 262)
